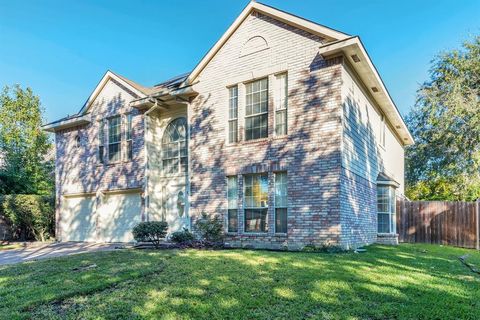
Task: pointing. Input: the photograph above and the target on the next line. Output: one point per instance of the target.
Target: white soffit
(356, 54)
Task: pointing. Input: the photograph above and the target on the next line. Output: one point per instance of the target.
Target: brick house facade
(284, 130)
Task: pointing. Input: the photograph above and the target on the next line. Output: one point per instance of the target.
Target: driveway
(52, 250)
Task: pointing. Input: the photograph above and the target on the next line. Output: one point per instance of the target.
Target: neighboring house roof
(301, 23)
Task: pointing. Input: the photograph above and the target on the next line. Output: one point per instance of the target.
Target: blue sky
(61, 49)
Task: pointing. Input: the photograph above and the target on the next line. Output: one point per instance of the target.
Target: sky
(61, 49)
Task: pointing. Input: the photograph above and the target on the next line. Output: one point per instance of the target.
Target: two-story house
(284, 129)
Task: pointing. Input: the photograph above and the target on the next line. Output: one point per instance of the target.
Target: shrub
(29, 216)
(324, 248)
(210, 228)
(151, 231)
(182, 236)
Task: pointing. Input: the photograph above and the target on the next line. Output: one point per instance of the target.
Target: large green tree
(25, 166)
(444, 163)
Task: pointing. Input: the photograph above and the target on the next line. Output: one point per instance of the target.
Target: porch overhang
(165, 98)
(354, 51)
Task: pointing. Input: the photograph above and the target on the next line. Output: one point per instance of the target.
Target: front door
(175, 174)
(175, 206)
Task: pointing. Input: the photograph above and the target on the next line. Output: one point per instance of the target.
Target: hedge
(29, 216)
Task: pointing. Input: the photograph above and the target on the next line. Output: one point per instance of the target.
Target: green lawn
(404, 282)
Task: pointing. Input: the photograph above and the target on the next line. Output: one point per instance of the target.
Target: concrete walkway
(52, 250)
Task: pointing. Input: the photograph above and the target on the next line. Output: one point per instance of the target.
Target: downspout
(147, 196)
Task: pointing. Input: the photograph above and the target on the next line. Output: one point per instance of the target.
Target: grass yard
(404, 282)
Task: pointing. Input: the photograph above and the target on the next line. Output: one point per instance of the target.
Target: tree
(444, 162)
(23, 145)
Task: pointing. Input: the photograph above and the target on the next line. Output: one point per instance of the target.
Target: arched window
(174, 147)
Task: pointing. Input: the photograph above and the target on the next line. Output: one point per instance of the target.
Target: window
(233, 115)
(281, 104)
(78, 142)
(114, 139)
(256, 203)
(382, 131)
(128, 137)
(281, 202)
(256, 110)
(232, 197)
(101, 141)
(386, 209)
(174, 147)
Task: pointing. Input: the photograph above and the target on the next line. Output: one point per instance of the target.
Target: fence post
(477, 211)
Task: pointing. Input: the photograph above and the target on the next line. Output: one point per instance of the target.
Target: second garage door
(117, 215)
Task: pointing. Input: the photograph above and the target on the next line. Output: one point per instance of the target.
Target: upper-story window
(114, 139)
(78, 142)
(174, 147)
(128, 137)
(281, 104)
(101, 141)
(382, 130)
(256, 109)
(233, 114)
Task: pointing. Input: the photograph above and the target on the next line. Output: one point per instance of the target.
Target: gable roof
(138, 90)
(298, 22)
(83, 117)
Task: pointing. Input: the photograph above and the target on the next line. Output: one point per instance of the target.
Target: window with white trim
(382, 131)
(232, 197)
(281, 202)
(114, 139)
(128, 137)
(256, 202)
(386, 209)
(101, 141)
(281, 104)
(256, 109)
(233, 114)
(174, 147)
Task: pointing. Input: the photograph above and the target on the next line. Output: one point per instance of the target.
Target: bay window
(386, 209)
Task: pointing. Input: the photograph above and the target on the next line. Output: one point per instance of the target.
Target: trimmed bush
(210, 228)
(182, 236)
(29, 216)
(151, 231)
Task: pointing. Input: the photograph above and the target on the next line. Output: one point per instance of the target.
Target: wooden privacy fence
(439, 222)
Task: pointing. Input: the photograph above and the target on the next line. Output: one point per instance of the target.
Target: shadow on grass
(402, 283)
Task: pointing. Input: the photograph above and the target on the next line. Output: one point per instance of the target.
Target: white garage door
(117, 216)
(77, 218)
